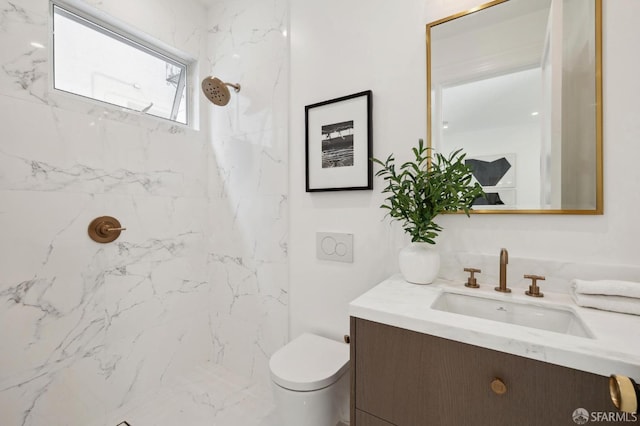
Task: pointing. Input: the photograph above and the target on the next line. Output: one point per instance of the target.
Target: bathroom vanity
(418, 360)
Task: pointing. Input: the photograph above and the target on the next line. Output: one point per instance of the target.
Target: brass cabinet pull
(498, 387)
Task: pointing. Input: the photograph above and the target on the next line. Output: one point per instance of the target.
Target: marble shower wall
(200, 273)
(248, 44)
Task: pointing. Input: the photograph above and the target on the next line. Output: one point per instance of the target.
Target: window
(95, 62)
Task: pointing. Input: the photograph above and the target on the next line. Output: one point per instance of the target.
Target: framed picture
(339, 144)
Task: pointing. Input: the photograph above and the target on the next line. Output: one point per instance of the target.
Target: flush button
(334, 246)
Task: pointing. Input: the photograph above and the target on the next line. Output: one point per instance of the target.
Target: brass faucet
(504, 259)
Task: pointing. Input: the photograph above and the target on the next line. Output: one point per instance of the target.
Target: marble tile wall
(200, 273)
(248, 44)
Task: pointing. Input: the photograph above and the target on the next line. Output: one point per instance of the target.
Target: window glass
(94, 62)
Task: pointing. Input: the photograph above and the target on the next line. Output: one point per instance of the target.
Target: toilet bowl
(310, 381)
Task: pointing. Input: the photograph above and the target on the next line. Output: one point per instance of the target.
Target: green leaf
(419, 193)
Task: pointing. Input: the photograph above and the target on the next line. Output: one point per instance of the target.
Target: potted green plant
(418, 192)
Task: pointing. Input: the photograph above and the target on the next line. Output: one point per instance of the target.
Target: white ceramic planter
(419, 263)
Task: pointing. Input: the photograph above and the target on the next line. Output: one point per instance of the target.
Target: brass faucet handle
(471, 281)
(534, 290)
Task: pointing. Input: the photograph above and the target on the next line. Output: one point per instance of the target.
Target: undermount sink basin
(519, 313)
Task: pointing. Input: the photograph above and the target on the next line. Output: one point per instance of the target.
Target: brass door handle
(498, 386)
(625, 393)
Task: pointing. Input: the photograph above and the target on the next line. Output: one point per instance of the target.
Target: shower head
(217, 91)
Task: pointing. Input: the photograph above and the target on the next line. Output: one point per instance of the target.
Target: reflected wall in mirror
(517, 84)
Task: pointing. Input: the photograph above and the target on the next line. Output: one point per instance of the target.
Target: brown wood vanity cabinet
(404, 378)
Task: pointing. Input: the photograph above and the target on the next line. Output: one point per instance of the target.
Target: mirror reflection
(517, 85)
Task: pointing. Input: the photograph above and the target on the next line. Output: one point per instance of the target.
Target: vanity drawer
(408, 379)
(365, 419)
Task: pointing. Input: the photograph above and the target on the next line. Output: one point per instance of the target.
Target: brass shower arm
(236, 87)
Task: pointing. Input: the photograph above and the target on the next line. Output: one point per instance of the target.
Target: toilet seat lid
(309, 362)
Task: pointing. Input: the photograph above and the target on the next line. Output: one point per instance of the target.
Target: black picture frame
(339, 144)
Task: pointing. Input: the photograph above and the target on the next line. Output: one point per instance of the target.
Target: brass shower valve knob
(105, 229)
(471, 281)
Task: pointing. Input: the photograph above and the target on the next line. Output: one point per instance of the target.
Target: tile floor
(209, 395)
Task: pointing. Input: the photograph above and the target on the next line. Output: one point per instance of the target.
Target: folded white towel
(607, 288)
(625, 305)
(609, 295)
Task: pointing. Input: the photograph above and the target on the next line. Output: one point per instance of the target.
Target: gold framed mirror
(517, 84)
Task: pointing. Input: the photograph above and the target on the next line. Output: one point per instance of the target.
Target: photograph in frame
(339, 144)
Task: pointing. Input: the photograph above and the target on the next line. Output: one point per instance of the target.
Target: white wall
(339, 48)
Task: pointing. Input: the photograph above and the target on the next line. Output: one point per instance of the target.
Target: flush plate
(337, 247)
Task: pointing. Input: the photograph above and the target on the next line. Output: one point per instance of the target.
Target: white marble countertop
(614, 348)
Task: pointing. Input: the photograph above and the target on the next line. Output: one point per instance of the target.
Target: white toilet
(311, 381)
